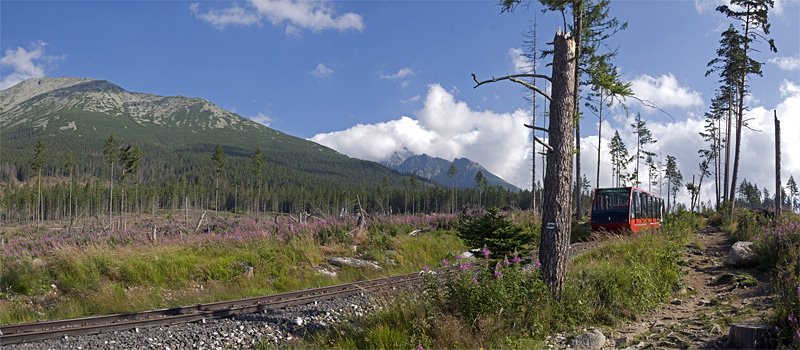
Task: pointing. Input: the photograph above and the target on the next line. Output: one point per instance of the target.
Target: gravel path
(275, 326)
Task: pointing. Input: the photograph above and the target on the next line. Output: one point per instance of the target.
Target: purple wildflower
(420, 347)
(791, 319)
(474, 279)
(506, 262)
(464, 267)
(458, 257)
(516, 260)
(445, 262)
(538, 264)
(497, 273)
(426, 268)
(486, 252)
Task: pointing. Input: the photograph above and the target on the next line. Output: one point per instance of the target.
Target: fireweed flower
(516, 260)
(445, 262)
(464, 267)
(506, 262)
(426, 268)
(497, 273)
(420, 347)
(486, 252)
(538, 264)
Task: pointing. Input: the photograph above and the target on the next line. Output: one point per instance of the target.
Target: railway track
(37, 331)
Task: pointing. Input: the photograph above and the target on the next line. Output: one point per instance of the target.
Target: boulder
(588, 341)
(741, 253)
(353, 262)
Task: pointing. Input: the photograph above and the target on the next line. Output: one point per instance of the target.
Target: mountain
(435, 169)
(177, 133)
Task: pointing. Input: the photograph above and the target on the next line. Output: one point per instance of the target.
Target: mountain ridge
(436, 169)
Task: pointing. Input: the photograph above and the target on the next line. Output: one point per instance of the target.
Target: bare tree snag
(778, 192)
(515, 78)
(556, 206)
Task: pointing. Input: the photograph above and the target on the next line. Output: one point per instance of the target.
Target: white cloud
(521, 63)
(701, 6)
(665, 91)
(314, 15)
(789, 88)
(262, 119)
(24, 63)
(789, 63)
(221, 18)
(321, 71)
(444, 128)
(411, 99)
(402, 73)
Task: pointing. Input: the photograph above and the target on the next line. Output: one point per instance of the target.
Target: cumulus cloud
(262, 119)
(665, 91)
(521, 63)
(314, 15)
(24, 63)
(321, 71)
(789, 63)
(446, 128)
(402, 73)
(411, 99)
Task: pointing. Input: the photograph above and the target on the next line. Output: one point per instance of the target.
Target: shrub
(496, 232)
(780, 250)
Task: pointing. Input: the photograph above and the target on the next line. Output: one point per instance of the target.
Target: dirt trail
(714, 296)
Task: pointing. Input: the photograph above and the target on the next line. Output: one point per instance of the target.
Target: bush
(780, 250)
(496, 232)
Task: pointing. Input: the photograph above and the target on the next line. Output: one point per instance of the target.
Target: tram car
(625, 209)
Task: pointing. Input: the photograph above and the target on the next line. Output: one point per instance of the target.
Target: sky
(370, 78)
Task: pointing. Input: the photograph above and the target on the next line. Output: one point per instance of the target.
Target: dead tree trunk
(556, 207)
(778, 192)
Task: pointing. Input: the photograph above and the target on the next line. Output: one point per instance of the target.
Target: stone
(741, 254)
(588, 341)
(353, 262)
(676, 302)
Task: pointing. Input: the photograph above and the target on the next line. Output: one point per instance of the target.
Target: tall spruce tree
(258, 166)
(110, 153)
(219, 162)
(36, 165)
(644, 138)
(753, 16)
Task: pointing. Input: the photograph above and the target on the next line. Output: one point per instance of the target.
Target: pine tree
(36, 166)
(258, 165)
(109, 151)
(674, 181)
(754, 18)
(451, 172)
(479, 180)
(793, 193)
(644, 138)
(219, 160)
(620, 159)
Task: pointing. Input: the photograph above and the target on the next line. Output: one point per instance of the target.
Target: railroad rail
(42, 330)
(37, 331)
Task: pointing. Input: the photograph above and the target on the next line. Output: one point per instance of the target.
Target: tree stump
(749, 336)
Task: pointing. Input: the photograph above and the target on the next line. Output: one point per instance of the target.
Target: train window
(611, 199)
(636, 205)
(649, 206)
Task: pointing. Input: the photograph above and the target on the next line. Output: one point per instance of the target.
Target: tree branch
(535, 128)
(545, 145)
(513, 77)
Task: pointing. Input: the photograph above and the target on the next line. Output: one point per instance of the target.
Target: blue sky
(315, 69)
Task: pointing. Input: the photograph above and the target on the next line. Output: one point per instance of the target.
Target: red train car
(625, 208)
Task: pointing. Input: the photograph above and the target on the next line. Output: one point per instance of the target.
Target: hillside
(435, 169)
(90, 110)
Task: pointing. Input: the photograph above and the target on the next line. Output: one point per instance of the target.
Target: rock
(741, 253)
(676, 302)
(353, 262)
(621, 342)
(325, 271)
(248, 271)
(467, 256)
(588, 341)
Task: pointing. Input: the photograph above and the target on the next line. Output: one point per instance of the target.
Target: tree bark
(556, 206)
(728, 148)
(778, 199)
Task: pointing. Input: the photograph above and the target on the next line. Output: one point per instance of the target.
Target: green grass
(103, 279)
(613, 283)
